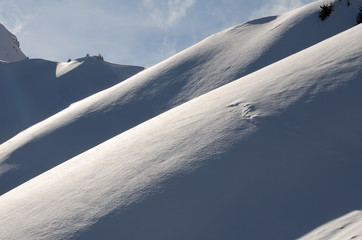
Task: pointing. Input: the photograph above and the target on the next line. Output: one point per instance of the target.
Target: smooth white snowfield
(35, 89)
(269, 156)
(212, 63)
(9, 46)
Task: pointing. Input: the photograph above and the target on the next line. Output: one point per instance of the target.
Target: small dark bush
(359, 16)
(325, 11)
(100, 57)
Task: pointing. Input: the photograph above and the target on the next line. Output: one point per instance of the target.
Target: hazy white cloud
(166, 13)
(276, 7)
(168, 48)
(13, 17)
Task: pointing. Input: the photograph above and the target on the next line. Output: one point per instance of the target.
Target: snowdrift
(212, 63)
(271, 155)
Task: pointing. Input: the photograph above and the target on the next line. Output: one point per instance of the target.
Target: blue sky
(139, 32)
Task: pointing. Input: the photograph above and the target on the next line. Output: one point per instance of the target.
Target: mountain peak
(9, 46)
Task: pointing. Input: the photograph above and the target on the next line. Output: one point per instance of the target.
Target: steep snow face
(31, 91)
(347, 227)
(216, 61)
(268, 156)
(9, 46)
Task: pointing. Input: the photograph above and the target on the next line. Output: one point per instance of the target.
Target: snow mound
(268, 156)
(65, 67)
(212, 63)
(9, 46)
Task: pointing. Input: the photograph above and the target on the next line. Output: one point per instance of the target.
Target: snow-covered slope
(9, 46)
(347, 227)
(269, 156)
(33, 90)
(212, 63)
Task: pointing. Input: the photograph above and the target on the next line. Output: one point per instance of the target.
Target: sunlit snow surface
(63, 68)
(271, 155)
(212, 63)
(345, 227)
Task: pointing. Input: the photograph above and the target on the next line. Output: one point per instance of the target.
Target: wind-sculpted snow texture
(33, 90)
(346, 227)
(212, 63)
(271, 155)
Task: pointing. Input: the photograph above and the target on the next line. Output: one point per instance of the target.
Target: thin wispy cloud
(167, 13)
(168, 48)
(276, 7)
(13, 17)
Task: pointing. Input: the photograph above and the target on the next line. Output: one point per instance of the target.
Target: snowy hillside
(212, 63)
(277, 150)
(254, 133)
(9, 46)
(33, 90)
